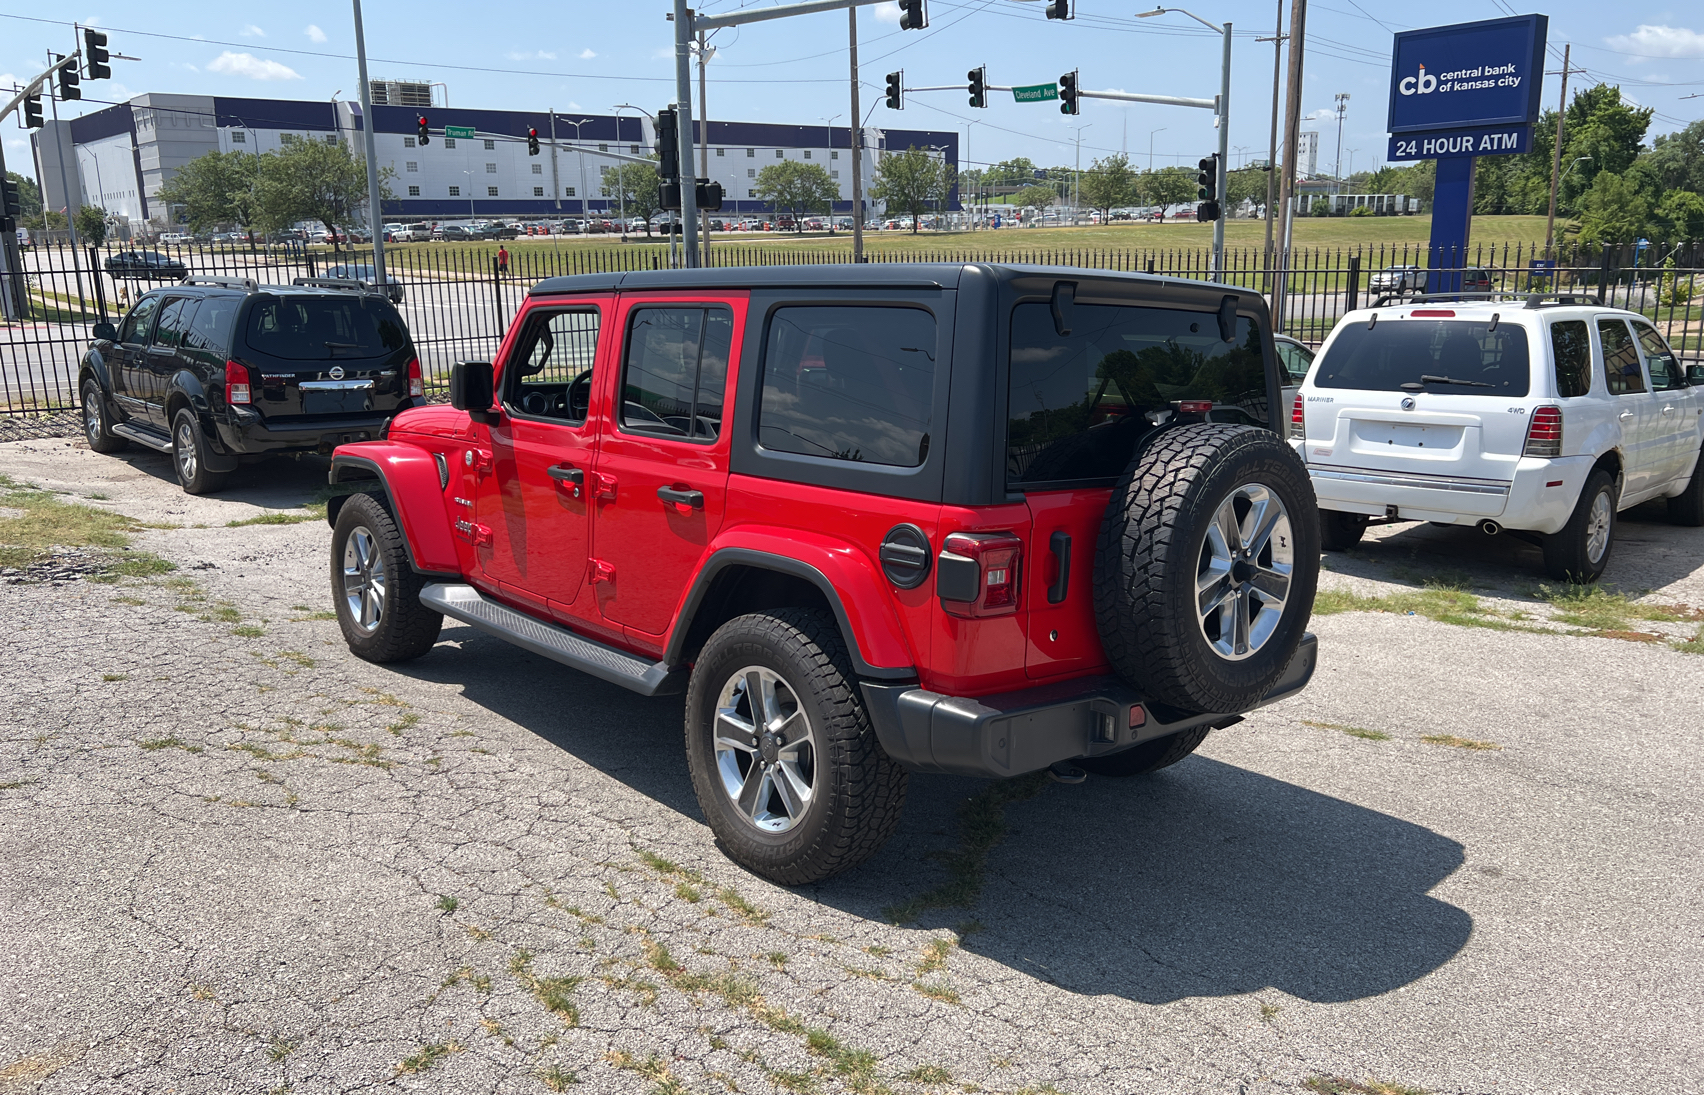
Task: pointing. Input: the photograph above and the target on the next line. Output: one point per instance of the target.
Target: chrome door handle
(1626, 415)
(1669, 409)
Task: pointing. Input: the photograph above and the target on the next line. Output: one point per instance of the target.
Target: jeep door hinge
(479, 460)
(473, 533)
(603, 485)
(602, 570)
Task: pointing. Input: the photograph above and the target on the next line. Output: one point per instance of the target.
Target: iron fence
(458, 300)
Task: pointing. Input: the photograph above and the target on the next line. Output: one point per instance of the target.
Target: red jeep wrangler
(873, 519)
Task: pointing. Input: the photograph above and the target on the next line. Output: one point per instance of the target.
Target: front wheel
(1687, 507)
(189, 456)
(1580, 551)
(783, 757)
(97, 429)
(376, 592)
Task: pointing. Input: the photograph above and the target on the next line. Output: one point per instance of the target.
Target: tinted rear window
(323, 328)
(1395, 352)
(1571, 344)
(849, 383)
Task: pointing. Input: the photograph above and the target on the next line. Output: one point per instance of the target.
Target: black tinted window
(1571, 343)
(1666, 373)
(1621, 371)
(210, 330)
(1394, 352)
(849, 383)
(136, 324)
(1079, 403)
(322, 328)
(677, 371)
(174, 318)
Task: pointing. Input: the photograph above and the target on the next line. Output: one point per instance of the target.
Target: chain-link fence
(458, 300)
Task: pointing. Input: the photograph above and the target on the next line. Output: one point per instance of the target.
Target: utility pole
(857, 138)
(703, 131)
(375, 213)
(555, 174)
(683, 111)
(1272, 155)
(1292, 139)
(1556, 161)
(1342, 101)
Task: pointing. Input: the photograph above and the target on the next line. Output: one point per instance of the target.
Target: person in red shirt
(502, 259)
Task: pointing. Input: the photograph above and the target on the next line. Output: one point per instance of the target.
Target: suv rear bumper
(246, 432)
(1539, 498)
(1016, 732)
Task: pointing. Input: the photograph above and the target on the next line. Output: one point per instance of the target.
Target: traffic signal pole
(375, 214)
(1224, 159)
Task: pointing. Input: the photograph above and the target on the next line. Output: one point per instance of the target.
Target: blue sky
(525, 54)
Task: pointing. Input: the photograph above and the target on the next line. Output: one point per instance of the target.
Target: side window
(174, 320)
(1296, 360)
(550, 375)
(1621, 369)
(849, 383)
(1571, 345)
(211, 328)
(1666, 373)
(677, 371)
(136, 325)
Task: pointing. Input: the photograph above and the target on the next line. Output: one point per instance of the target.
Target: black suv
(217, 369)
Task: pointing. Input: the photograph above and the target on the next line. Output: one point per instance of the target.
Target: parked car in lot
(455, 233)
(218, 369)
(145, 266)
(784, 492)
(1398, 279)
(1475, 280)
(1540, 418)
(365, 274)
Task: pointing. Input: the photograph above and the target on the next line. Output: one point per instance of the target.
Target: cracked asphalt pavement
(234, 858)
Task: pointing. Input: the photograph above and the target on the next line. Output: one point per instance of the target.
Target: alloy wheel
(1598, 524)
(1243, 576)
(363, 578)
(186, 451)
(92, 421)
(766, 749)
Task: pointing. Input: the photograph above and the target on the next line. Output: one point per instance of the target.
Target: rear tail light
(1544, 432)
(977, 574)
(1194, 406)
(416, 384)
(1298, 421)
(237, 383)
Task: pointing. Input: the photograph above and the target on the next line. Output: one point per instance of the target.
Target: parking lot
(1464, 860)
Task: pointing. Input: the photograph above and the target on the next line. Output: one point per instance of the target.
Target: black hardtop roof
(943, 275)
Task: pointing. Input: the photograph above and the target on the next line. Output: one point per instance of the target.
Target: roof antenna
(1493, 326)
(1064, 304)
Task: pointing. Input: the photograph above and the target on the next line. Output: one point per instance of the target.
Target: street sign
(1035, 93)
(458, 131)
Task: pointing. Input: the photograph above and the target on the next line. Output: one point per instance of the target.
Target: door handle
(1626, 415)
(1669, 409)
(693, 498)
(566, 473)
(1060, 544)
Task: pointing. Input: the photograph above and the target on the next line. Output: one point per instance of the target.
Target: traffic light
(1059, 9)
(668, 147)
(32, 112)
(912, 15)
(979, 86)
(11, 201)
(1068, 93)
(896, 92)
(1207, 189)
(70, 82)
(95, 52)
(532, 142)
(424, 130)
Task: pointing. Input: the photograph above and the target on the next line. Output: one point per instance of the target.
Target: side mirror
(1694, 374)
(471, 390)
(105, 331)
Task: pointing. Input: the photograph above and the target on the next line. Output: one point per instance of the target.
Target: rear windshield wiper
(1428, 378)
(336, 346)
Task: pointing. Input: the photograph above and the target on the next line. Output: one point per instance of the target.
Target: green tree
(214, 190)
(1247, 185)
(1680, 216)
(633, 187)
(29, 194)
(1109, 181)
(312, 180)
(1015, 172)
(1677, 159)
(1168, 186)
(92, 225)
(1614, 210)
(911, 180)
(1039, 195)
(797, 188)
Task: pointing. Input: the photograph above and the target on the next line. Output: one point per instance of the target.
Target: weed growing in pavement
(686, 891)
(556, 1078)
(1459, 743)
(427, 1056)
(274, 518)
(199, 991)
(935, 956)
(1444, 603)
(1609, 610)
(110, 677)
(878, 950)
(742, 908)
(653, 1068)
(928, 1074)
(1268, 1012)
(1694, 645)
(982, 824)
(279, 1048)
(778, 959)
(14, 784)
(151, 744)
(1337, 1085)
(448, 904)
(1353, 731)
(937, 990)
(248, 631)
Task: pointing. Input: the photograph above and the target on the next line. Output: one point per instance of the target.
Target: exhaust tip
(1490, 528)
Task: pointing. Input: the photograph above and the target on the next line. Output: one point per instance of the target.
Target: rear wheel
(783, 756)
(1580, 551)
(1687, 507)
(376, 592)
(1339, 531)
(189, 456)
(96, 428)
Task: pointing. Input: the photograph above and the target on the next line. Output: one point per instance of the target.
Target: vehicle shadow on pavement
(277, 483)
(1202, 880)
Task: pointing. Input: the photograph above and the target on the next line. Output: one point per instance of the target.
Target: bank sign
(1471, 89)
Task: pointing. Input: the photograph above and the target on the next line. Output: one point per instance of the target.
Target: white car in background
(1542, 416)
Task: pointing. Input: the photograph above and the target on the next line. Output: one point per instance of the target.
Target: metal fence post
(1603, 274)
(95, 276)
(1354, 298)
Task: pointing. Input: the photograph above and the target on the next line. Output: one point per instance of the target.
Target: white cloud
(252, 31)
(886, 13)
(536, 55)
(587, 54)
(1323, 114)
(1660, 41)
(314, 33)
(250, 66)
(572, 105)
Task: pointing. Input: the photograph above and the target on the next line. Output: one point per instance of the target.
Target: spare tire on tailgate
(1206, 566)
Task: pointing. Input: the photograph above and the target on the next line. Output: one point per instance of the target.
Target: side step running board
(467, 604)
(142, 436)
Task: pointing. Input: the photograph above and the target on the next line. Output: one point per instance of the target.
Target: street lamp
(585, 195)
(1077, 173)
(1224, 121)
(1151, 133)
(1342, 101)
(620, 190)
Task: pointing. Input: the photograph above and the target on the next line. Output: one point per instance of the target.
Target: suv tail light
(237, 388)
(977, 574)
(1298, 421)
(416, 384)
(1544, 432)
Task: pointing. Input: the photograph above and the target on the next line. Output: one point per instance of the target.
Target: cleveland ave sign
(1035, 93)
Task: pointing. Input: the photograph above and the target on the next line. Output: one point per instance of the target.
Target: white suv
(1544, 416)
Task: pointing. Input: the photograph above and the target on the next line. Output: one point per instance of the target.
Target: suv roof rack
(224, 283)
(337, 283)
(1533, 300)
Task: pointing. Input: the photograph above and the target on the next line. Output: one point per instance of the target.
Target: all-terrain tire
(1339, 531)
(1154, 546)
(189, 455)
(387, 623)
(1148, 757)
(1687, 507)
(97, 428)
(856, 792)
(1577, 553)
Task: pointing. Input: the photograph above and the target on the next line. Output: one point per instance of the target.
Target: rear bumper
(1540, 497)
(1016, 732)
(245, 432)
